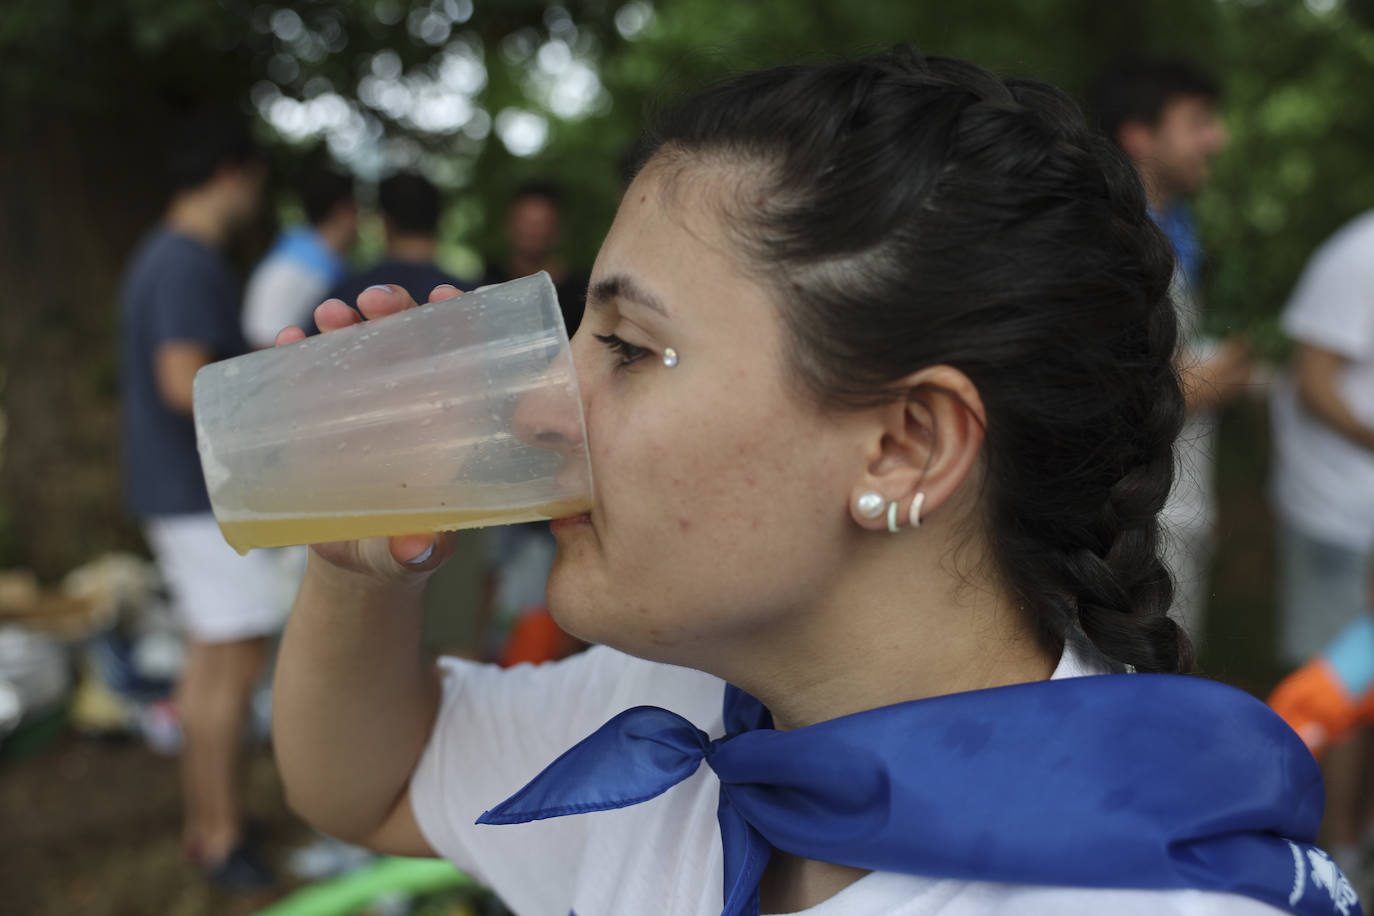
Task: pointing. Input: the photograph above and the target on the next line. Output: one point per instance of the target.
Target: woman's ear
(927, 443)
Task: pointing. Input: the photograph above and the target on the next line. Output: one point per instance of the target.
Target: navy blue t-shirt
(414, 277)
(176, 289)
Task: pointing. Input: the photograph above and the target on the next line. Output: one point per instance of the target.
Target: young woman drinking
(879, 394)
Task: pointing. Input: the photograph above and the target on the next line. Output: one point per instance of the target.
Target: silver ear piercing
(870, 504)
(916, 509)
(669, 357)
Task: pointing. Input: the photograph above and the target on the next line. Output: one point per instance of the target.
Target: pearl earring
(669, 357)
(870, 504)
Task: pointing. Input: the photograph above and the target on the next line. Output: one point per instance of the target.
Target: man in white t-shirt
(304, 262)
(1323, 481)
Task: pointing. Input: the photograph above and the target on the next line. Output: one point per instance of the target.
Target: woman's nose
(549, 414)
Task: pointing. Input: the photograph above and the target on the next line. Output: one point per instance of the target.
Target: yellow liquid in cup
(284, 530)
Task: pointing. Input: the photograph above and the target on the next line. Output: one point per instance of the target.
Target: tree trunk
(78, 194)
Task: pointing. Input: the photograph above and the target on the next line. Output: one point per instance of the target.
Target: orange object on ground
(1317, 706)
(535, 638)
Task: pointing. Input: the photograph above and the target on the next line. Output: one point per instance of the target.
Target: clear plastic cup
(457, 414)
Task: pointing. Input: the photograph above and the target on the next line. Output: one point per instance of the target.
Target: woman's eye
(627, 352)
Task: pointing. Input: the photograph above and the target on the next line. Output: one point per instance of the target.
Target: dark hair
(918, 211)
(1140, 90)
(411, 202)
(203, 142)
(322, 190)
(547, 190)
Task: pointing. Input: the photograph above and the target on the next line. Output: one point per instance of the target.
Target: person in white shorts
(180, 311)
(878, 383)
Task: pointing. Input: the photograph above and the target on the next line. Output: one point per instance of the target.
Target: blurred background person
(533, 229)
(295, 275)
(305, 262)
(1163, 114)
(1323, 494)
(513, 623)
(411, 206)
(180, 310)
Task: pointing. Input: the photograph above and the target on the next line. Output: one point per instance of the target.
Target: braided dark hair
(913, 211)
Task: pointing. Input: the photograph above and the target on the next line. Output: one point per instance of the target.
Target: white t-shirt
(1323, 484)
(498, 728)
(281, 291)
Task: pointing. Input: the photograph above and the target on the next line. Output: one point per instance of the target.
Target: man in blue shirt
(180, 311)
(411, 207)
(1163, 115)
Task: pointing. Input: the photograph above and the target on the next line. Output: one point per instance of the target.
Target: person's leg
(1343, 769)
(214, 695)
(228, 605)
(1322, 590)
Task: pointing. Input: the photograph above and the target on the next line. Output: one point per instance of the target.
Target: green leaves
(438, 82)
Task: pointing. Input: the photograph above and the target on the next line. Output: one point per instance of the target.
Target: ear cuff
(870, 505)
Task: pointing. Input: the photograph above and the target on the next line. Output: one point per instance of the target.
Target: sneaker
(241, 870)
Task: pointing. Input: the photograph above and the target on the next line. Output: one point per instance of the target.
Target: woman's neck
(901, 623)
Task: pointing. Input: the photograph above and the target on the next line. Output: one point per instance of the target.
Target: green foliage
(1298, 165)
(1300, 121)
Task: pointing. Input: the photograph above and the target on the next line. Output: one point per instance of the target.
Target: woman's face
(721, 507)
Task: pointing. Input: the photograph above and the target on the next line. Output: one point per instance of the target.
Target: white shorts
(218, 595)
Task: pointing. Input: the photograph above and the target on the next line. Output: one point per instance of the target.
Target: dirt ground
(91, 827)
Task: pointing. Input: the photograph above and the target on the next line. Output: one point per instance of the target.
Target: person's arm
(1317, 373)
(1215, 381)
(175, 363)
(355, 698)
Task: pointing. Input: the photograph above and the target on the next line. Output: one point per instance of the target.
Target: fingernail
(381, 286)
(420, 558)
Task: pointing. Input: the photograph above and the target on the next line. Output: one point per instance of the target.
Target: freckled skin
(722, 494)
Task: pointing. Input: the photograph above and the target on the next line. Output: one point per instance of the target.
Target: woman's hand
(388, 559)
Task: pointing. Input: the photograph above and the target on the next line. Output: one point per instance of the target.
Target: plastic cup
(457, 414)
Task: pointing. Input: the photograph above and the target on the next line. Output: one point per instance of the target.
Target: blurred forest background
(484, 94)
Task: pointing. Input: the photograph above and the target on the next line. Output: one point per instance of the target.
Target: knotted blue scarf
(1114, 781)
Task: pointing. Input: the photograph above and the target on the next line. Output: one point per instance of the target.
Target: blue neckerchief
(304, 245)
(1177, 223)
(1115, 781)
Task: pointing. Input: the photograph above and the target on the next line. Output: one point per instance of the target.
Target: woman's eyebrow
(620, 286)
